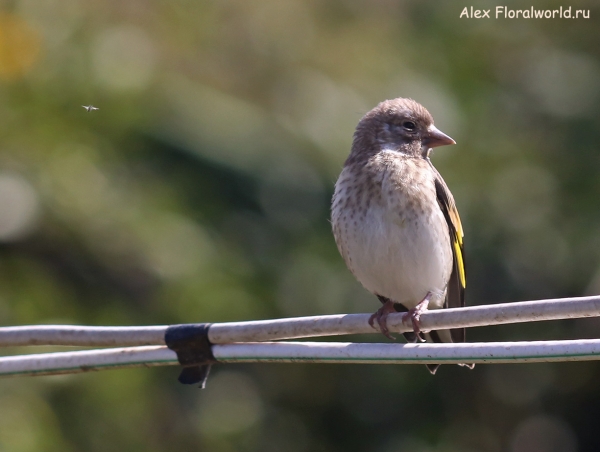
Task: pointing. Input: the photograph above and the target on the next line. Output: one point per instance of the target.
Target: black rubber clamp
(194, 351)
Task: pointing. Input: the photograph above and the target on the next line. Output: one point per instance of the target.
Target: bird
(395, 221)
(90, 107)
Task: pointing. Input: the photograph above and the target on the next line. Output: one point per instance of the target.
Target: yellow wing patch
(446, 203)
(459, 259)
(458, 243)
(457, 224)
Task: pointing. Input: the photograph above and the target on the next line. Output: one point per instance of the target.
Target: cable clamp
(194, 351)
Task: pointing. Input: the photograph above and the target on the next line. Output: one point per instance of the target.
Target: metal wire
(302, 327)
(307, 352)
(247, 341)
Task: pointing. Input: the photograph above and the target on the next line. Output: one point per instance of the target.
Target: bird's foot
(381, 316)
(414, 315)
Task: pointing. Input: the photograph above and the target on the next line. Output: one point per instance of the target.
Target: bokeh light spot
(19, 207)
(124, 58)
(19, 46)
(543, 434)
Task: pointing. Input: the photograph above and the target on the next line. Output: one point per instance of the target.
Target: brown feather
(455, 295)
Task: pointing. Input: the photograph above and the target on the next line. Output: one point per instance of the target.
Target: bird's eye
(409, 125)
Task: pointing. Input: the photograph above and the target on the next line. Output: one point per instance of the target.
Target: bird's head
(398, 125)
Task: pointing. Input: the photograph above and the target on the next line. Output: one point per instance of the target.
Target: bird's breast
(391, 232)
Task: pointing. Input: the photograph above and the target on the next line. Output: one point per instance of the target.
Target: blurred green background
(199, 192)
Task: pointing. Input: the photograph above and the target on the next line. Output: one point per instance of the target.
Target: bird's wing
(455, 296)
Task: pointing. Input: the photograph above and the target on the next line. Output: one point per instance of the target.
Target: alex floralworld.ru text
(503, 12)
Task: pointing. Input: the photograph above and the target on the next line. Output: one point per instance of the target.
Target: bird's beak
(437, 138)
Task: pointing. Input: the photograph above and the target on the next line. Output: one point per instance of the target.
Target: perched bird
(90, 107)
(395, 221)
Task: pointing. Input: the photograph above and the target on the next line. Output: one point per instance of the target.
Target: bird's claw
(381, 316)
(414, 315)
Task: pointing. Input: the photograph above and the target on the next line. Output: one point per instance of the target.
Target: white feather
(396, 251)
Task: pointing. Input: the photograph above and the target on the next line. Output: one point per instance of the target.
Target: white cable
(75, 335)
(86, 360)
(308, 352)
(294, 328)
(471, 316)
